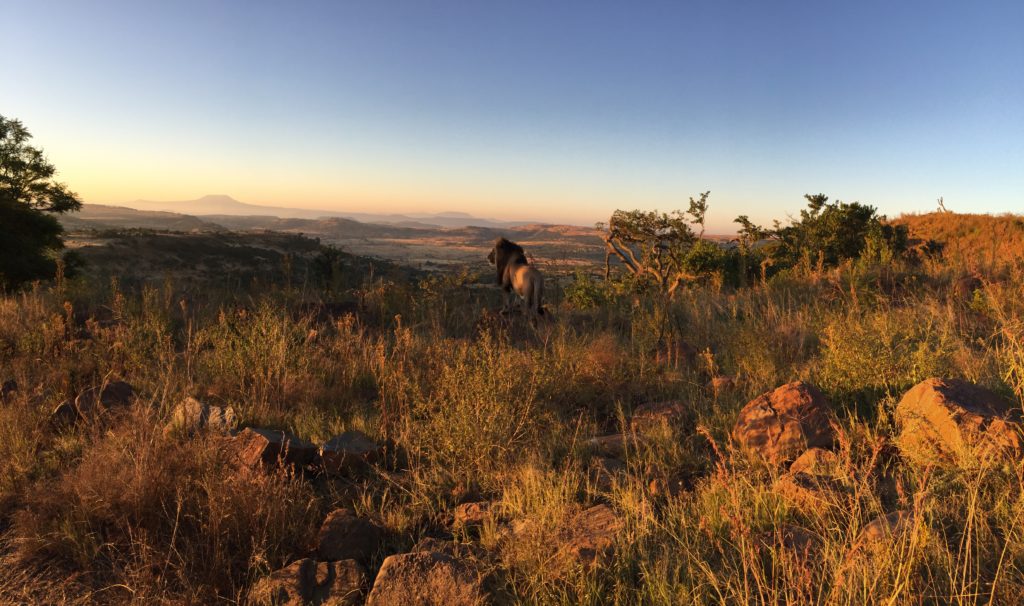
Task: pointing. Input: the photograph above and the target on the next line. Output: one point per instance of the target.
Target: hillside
(971, 241)
(99, 217)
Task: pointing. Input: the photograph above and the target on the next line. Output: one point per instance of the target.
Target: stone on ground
(950, 421)
(269, 446)
(349, 452)
(192, 416)
(426, 578)
(345, 536)
(307, 582)
(779, 425)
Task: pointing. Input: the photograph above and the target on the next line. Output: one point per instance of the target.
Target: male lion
(515, 273)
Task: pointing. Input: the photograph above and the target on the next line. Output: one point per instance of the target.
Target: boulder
(811, 492)
(268, 446)
(656, 414)
(589, 535)
(426, 578)
(349, 452)
(344, 536)
(469, 515)
(779, 425)
(192, 416)
(815, 461)
(949, 421)
(307, 582)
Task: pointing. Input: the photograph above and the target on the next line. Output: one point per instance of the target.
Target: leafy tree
(29, 198)
(832, 232)
(662, 247)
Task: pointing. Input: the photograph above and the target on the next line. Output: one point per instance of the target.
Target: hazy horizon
(556, 113)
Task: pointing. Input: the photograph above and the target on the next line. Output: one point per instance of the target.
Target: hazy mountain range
(222, 205)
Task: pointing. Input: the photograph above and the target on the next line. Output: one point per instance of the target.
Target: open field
(469, 437)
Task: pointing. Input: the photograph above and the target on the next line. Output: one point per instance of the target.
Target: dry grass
(114, 511)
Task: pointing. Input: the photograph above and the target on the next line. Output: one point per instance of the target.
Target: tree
(661, 247)
(832, 232)
(30, 234)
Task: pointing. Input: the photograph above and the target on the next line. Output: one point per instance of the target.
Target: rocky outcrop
(950, 422)
(779, 425)
(307, 582)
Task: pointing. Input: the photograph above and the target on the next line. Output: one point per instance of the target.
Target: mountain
(226, 205)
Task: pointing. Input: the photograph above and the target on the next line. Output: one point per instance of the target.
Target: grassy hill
(594, 458)
(970, 241)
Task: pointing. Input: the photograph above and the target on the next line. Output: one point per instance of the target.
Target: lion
(516, 274)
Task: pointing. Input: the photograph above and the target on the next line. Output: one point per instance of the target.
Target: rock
(192, 416)
(656, 414)
(307, 582)
(426, 578)
(779, 425)
(810, 492)
(344, 536)
(348, 452)
(93, 400)
(472, 514)
(816, 461)
(268, 446)
(949, 421)
(964, 286)
(883, 529)
(604, 470)
(613, 445)
(589, 535)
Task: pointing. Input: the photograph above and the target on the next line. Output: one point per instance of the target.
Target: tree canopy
(30, 235)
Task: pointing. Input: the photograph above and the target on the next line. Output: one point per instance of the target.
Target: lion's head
(503, 253)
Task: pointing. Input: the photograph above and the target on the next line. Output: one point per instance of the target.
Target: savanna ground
(474, 406)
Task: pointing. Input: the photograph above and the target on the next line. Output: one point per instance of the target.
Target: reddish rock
(779, 425)
(589, 535)
(949, 421)
(269, 446)
(307, 581)
(344, 536)
(426, 578)
(884, 529)
(604, 470)
(349, 452)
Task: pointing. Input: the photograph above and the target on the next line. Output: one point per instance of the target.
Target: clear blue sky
(557, 111)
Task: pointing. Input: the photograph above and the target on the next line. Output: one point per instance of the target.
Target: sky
(554, 111)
